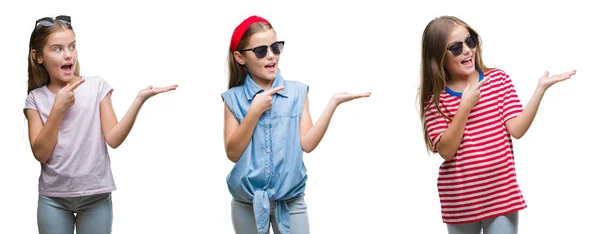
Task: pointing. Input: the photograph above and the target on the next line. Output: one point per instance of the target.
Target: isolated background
(371, 173)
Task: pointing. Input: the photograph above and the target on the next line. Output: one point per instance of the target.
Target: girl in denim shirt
(267, 128)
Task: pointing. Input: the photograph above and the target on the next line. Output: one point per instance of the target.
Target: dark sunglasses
(48, 21)
(261, 51)
(457, 48)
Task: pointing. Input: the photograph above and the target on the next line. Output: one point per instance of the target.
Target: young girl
(472, 129)
(71, 119)
(267, 128)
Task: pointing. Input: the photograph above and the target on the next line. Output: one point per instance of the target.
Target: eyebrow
(62, 45)
(454, 42)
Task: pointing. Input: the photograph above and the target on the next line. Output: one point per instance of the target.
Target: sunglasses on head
(261, 51)
(48, 21)
(457, 48)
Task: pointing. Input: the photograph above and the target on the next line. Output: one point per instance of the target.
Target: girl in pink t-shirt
(473, 129)
(71, 120)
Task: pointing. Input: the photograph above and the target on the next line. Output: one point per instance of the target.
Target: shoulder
(233, 91)
(496, 74)
(296, 87)
(94, 79)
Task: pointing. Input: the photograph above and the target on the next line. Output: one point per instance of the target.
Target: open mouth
(67, 67)
(467, 61)
(270, 66)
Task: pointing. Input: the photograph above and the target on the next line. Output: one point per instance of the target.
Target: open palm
(150, 91)
(340, 98)
(547, 81)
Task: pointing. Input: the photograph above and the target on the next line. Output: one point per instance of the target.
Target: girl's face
(59, 56)
(261, 44)
(459, 60)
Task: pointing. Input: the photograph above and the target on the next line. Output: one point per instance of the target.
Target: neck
(262, 83)
(461, 80)
(56, 84)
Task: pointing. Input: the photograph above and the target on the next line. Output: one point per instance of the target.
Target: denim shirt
(271, 167)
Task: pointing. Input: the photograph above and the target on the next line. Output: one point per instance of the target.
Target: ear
(39, 60)
(239, 58)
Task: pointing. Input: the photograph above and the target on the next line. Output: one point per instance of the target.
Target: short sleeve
(510, 104)
(30, 102)
(103, 88)
(435, 124)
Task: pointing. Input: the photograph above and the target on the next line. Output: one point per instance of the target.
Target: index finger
(274, 90)
(76, 84)
(478, 85)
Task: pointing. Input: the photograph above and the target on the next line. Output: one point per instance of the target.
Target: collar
(459, 94)
(251, 88)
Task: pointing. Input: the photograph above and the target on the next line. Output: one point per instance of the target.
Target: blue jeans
(242, 214)
(505, 224)
(61, 215)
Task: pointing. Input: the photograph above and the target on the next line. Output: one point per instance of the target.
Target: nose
(270, 53)
(67, 55)
(466, 49)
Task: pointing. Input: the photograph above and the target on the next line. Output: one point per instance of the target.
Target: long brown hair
(37, 74)
(433, 74)
(238, 72)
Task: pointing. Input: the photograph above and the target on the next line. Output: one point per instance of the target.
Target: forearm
(522, 122)
(240, 138)
(451, 138)
(121, 130)
(314, 135)
(45, 142)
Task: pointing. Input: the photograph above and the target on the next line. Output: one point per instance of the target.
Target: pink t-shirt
(79, 165)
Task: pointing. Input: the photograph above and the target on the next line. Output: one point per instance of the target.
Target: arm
(115, 132)
(451, 138)
(518, 126)
(237, 136)
(43, 138)
(311, 135)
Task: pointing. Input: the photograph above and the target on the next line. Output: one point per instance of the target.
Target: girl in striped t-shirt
(472, 130)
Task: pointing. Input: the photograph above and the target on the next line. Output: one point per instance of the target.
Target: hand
(545, 82)
(264, 101)
(471, 95)
(150, 91)
(65, 97)
(340, 98)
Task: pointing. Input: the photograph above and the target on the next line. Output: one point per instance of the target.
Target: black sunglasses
(457, 48)
(261, 51)
(48, 21)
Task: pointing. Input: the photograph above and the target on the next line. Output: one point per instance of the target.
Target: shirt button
(267, 131)
(268, 171)
(268, 150)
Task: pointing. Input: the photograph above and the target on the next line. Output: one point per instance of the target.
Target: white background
(371, 173)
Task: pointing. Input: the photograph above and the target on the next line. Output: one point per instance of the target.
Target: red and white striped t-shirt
(480, 182)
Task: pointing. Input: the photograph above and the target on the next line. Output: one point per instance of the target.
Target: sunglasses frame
(48, 21)
(277, 43)
(472, 37)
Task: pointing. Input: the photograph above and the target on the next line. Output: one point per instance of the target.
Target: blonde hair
(433, 74)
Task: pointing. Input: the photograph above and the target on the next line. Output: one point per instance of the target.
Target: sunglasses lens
(277, 47)
(456, 49)
(260, 51)
(471, 42)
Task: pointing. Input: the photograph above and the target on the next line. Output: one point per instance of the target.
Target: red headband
(241, 29)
